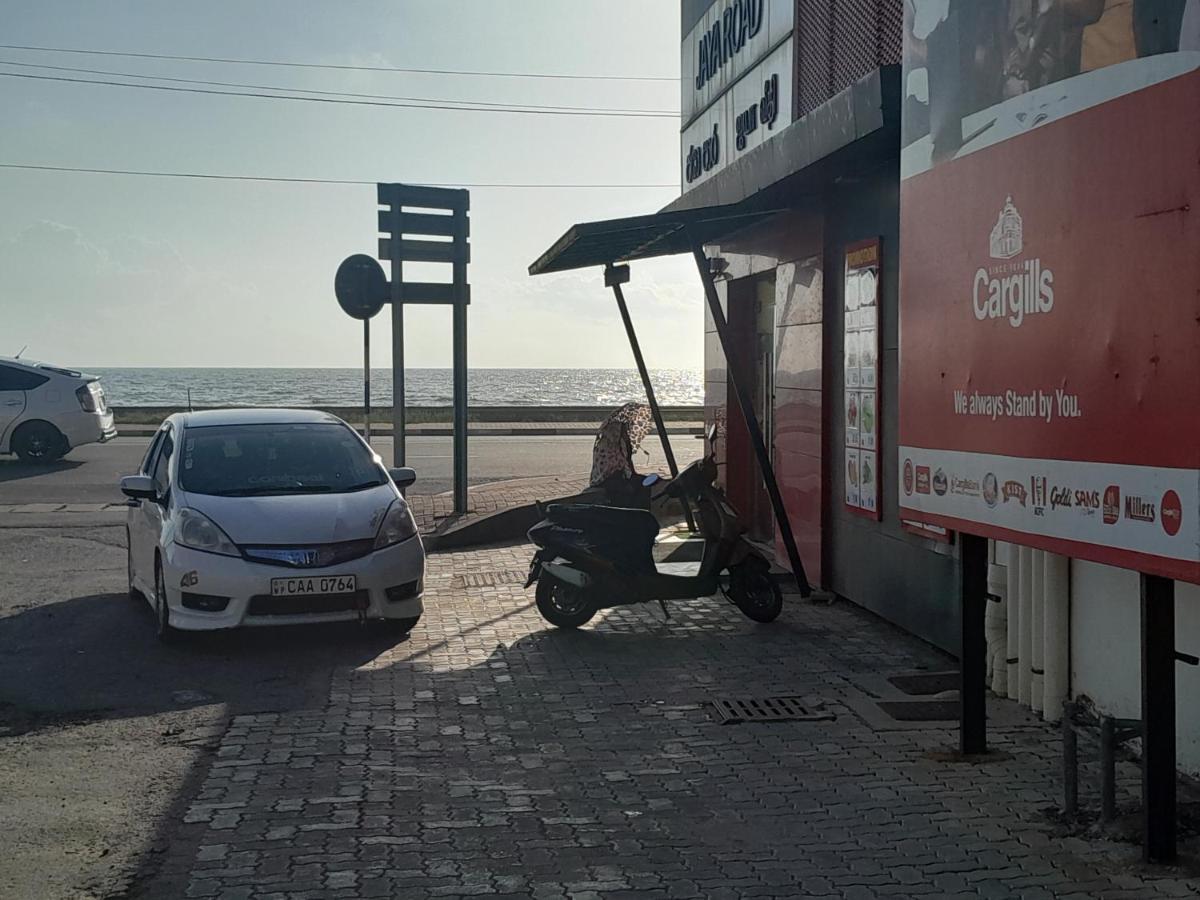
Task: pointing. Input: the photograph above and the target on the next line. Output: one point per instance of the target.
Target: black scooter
(595, 557)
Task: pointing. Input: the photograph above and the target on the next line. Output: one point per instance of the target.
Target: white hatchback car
(270, 516)
(45, 410)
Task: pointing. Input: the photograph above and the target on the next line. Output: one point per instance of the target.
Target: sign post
(361, 289)
(406, 237)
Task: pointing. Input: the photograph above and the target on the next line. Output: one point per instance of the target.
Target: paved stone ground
(489, 755)
(435, 511)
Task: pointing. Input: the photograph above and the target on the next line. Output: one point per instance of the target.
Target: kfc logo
(1039, 491)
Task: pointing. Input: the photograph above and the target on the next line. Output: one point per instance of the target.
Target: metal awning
(668, 233)
(642, 237)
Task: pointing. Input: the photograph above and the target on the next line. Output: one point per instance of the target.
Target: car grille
(306, 604)
(310, 556)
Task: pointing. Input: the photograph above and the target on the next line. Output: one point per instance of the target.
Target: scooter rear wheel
(563, 605)
(755, 593)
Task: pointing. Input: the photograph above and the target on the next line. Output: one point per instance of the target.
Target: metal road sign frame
(410, 216)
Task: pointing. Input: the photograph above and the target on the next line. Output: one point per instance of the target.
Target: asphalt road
(90, 474)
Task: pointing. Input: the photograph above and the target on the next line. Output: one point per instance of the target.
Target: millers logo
(1014, 490)
(1112, 504)
(1011, 289)
(1039, 491)
(1138, 509)
(908, 477)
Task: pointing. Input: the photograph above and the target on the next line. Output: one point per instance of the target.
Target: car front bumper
(241, 581)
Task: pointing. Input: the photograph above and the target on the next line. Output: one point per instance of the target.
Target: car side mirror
(139, 487)
(403, 476)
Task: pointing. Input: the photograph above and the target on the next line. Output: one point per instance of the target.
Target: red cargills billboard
(1050, 276)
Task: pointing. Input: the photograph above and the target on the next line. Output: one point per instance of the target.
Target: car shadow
(96, 657)
(13, 469)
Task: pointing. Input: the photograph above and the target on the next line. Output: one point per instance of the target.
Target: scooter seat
(637, 524)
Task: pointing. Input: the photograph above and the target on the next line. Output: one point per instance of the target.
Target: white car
(270, 516)
(45, 410)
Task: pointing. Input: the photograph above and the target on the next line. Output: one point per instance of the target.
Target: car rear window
(14, 379)
(257, 460)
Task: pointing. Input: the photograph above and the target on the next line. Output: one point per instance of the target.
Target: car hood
(298, 518)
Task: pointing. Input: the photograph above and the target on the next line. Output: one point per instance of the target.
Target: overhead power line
(347, 102)
(307, 65)
(286, 180)
(303, 90)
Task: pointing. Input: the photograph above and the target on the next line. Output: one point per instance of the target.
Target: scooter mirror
(651, 480)
(712, 433)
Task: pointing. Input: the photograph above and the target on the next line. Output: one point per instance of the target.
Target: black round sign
(360, 286)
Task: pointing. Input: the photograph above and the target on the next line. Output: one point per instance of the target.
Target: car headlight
(198, 532)
(397, 525)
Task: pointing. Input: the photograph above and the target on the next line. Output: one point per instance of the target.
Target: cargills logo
(1007, 289)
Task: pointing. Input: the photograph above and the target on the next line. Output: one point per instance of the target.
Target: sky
(108, 270)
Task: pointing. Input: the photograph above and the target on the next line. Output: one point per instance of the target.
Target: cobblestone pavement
(433, 511)
(491, 756)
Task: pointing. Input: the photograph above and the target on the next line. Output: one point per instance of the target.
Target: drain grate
(488, 579)
(770, 709)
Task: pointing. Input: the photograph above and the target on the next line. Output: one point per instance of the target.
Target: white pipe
(996, 629)
(1057, 639)
(1037, 660)
(1014, 620)
(1025, 649)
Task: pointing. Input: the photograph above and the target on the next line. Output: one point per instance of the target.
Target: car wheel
(38, 442)
(163, 629)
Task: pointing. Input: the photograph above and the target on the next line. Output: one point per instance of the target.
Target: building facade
(809, 107)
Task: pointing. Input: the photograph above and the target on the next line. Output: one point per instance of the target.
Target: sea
(423, 387)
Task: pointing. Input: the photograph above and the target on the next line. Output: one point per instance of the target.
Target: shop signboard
(736, 82)
(861, 342)
(1050, 280)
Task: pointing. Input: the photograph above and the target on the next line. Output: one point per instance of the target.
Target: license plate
(313, 584)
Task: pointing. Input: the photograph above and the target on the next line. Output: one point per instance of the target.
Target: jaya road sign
(360, 286)
(1050, 305)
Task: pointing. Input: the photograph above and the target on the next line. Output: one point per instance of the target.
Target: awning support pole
(747, 407)
(1158, 720)
(614, 277)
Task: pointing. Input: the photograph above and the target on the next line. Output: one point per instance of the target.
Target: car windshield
(258, 460)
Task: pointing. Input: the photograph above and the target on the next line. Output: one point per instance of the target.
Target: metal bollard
(1070, 761)
(1108, 770)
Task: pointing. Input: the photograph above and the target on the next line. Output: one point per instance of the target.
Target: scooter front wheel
(755, 593)
(563, 605)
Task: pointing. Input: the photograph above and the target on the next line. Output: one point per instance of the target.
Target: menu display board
(861, 332)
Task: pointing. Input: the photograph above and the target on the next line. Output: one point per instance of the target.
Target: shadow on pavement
(13, 469)
(96, 657)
